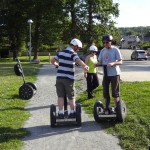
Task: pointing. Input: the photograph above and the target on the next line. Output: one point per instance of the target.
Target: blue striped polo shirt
(66, 59)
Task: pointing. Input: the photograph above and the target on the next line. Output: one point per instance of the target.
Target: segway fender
(53, 115)
(78, 114)
(98, 108)
(121, 111)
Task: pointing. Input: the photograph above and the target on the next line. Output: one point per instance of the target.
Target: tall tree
(99, 17)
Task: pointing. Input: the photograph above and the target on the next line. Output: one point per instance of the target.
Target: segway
(55, 120)
(28, 89)
(118, 112)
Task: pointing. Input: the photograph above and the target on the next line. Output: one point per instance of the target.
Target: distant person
(91, 75)
(110, 58)
(65, 61)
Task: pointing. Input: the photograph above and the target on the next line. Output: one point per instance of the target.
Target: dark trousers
(92, 83)
(115, 87)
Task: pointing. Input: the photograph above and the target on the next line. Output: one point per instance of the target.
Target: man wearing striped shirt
(65, 61)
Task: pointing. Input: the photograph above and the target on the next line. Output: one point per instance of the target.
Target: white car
(139, 54)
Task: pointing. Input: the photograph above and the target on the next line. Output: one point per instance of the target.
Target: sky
(133, 13)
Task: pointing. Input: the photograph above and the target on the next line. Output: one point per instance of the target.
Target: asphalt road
(134, 70)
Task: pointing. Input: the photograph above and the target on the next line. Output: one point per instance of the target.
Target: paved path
(135, 71)
(90, 136)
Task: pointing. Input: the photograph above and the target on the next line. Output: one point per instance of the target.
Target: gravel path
(90, 136)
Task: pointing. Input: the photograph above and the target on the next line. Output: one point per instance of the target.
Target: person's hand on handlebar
(111, 64)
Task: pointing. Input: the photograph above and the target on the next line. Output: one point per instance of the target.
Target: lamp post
(30, 22)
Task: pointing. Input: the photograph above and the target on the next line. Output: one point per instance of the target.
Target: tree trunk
(36, 37)
(13, 49)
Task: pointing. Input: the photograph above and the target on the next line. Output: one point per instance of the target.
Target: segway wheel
(26, 92)
(53, 115)
(33, 86)
(78, 114)
(98, 109)
(121, 111)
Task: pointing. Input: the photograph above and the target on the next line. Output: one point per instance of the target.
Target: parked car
(139, 54)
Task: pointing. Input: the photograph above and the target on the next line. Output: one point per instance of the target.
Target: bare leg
(60, 103)
(72, 104)
(116, 100)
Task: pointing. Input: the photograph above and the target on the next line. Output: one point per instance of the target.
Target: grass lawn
(134, 133)
(12, 113)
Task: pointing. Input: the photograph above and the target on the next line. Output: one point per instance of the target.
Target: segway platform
(118, 113)
(66, 119)
(55, 120)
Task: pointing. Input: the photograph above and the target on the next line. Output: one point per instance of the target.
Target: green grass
(134, 133)
(12, 112)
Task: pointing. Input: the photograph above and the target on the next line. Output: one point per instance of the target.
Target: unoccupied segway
(28, 89)
(55, 120)
(118, 113)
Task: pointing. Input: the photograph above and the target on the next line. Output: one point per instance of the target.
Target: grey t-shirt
(110, 55)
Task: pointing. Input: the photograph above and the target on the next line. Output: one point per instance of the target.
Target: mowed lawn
(12, 113)
(134, 133)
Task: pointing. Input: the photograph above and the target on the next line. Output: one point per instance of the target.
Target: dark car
(138, 54)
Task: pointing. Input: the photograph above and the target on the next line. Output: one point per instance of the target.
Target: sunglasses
(105, 42)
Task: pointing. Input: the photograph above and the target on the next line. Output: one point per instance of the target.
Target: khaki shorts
(65, 86)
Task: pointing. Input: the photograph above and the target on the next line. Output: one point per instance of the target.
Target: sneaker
(107, 111)
(61, 116)
(72, 115)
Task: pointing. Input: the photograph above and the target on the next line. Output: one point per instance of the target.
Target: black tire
(98, 108)
(53, 115)
(26, 92)
(78, 114)
(121, 111)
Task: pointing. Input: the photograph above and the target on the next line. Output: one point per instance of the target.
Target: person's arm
(99, 59)
(54, 62)
(119, 62)
(81, 63)
(98, 64)
(86, 61)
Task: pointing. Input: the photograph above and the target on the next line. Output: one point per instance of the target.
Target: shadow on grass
(7, 134)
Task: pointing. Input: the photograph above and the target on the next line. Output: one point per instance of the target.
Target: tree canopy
(55, 22)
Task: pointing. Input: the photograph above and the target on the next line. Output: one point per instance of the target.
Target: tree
(97, 18)
(58, 21)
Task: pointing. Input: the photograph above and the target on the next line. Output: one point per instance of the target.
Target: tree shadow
(7, 134)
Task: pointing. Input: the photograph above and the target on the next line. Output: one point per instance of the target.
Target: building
(130, 41)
